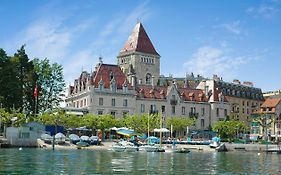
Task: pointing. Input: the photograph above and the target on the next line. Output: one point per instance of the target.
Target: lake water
(40, 161)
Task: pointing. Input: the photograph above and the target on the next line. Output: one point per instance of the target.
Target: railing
(193, 114)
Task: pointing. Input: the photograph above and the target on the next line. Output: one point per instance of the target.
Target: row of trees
(103, 122)
(19, 77)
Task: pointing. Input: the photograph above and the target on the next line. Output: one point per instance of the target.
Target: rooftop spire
(139, 41)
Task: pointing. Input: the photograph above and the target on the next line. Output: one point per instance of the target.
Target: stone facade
(131, 87)
(243, 99)
(267, 120)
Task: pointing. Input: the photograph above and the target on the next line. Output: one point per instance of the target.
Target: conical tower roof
(139, 41)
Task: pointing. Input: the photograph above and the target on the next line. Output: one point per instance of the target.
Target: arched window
(148, 78)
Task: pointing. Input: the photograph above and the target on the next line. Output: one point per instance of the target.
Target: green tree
(180, 123)
(51, 84)
(229, 129)
(25, 80)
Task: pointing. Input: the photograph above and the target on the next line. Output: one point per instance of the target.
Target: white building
(132, 87)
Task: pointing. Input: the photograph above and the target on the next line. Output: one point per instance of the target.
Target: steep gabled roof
(271, 102)
(104, 71)
(139, 41)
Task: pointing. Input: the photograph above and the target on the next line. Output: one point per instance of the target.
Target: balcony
(193, 115)
(173, 102)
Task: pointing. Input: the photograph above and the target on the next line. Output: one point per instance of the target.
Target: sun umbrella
(125, 132)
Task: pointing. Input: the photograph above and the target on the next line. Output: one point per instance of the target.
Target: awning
(161, 130)
(125, 132)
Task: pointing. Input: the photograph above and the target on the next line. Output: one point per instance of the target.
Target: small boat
(149, 148)
(214, 144)
(60, 138)
(181, 150)
(85, 139)
(118, 148)
(81, 144)
(47, 138)
(94, 140)
(74, 138)
(130, 147)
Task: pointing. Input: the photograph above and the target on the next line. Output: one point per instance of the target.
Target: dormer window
(101, 85)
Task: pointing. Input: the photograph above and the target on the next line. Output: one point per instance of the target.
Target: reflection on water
(38, 161)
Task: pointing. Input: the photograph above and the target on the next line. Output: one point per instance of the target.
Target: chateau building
(133, 86)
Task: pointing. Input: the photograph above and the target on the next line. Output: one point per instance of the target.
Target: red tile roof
(103, 72)
(160, 92)
(146, 91)
(195, 94)
(271, 102)
(139, 41)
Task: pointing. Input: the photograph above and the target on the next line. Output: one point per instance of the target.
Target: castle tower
(139, 57)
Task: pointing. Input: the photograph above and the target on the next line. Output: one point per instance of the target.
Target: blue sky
(234, 39)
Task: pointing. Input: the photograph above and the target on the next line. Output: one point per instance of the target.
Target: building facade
(133, 87)
(267, 120)
(243, 99)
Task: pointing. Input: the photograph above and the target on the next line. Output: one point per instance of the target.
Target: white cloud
(233, 27)
(106, 44)
(263, 10)
(209, 60)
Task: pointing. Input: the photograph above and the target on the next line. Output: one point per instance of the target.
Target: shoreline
(106, 145)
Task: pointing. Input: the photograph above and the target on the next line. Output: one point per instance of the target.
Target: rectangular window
(113, 102)
(142, 108)
(225, 112)
(218, 112)
(243, 110)
(243, 103)
(192, 110)
(202, 123)
(113, 113)
(100, 101)
(125, 102)
(163, 109)
(183, 110)
(100, 112)
(203, 111)
(173, 110)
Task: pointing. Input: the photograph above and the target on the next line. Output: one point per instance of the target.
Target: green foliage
(50, 84)
(228, 129)
(180, 123)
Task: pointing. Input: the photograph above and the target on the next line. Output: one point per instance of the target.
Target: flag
(35, 93)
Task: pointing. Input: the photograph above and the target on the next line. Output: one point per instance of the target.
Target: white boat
(130, 147)
(214, 144)
(118, 148)
(149, 148)
(60, 138)
(47, 138)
